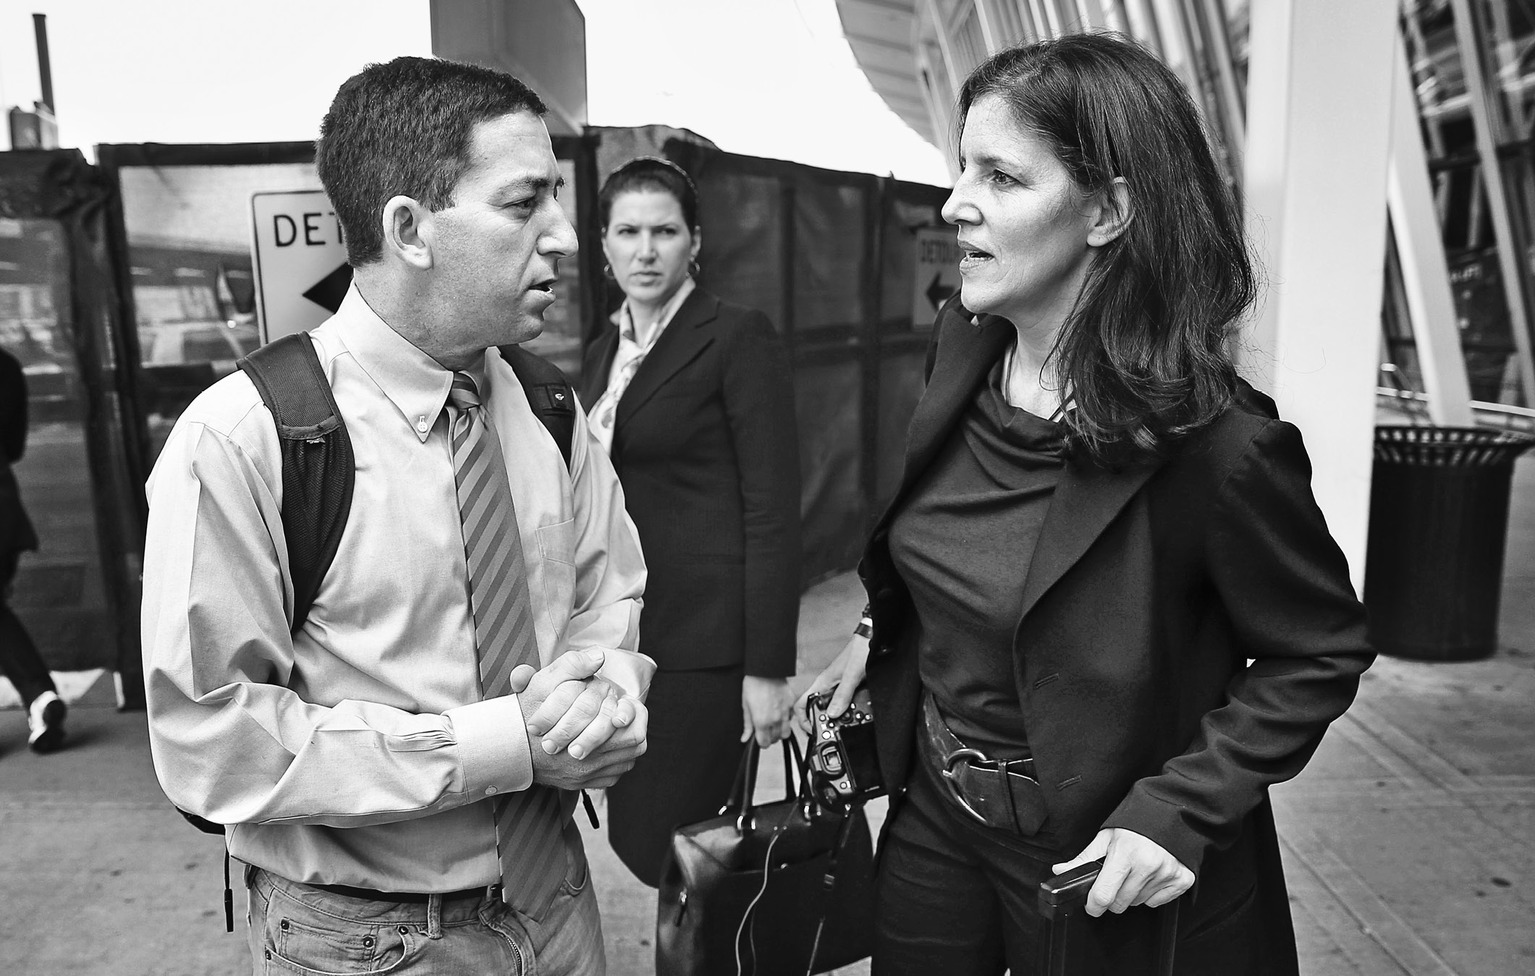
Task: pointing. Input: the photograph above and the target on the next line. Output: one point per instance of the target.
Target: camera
(844, 767)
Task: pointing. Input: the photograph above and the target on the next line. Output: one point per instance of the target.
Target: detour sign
(299, 261)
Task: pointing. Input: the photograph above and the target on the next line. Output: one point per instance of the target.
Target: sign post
(299, 261)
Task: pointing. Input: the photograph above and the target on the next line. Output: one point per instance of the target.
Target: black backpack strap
(317, 461)
(549, 394)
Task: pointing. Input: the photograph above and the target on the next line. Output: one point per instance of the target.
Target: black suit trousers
(19, 660)
(693, 749)
(957, 897)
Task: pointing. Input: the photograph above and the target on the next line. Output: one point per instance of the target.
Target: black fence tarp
(830, 257)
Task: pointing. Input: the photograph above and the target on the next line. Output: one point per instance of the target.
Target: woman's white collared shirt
(632, 350)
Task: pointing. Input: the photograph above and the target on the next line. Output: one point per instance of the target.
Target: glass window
(59, 589)
(1463, 186)
(32, 265)
(189, 241)
(1506, 31)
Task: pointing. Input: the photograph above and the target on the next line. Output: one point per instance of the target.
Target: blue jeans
(296, 928)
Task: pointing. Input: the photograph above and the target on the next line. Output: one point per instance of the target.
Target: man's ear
(407, 227)
(1115, 211)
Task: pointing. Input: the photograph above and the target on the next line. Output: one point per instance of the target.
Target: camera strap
(802, 795)
(829, 880)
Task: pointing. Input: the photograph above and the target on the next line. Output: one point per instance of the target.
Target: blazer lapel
(597, 364)
(1086, 500)
(966, 353)
(685, 337)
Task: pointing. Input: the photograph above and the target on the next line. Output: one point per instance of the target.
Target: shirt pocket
(557, 566)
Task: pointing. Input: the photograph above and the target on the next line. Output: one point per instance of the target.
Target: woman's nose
(647, 246)
(958, 208)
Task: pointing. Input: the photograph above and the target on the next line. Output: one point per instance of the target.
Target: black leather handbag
(781, 889)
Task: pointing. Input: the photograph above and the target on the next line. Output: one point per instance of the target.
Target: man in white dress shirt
(362, 769)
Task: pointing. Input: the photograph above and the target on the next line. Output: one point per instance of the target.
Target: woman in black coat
(1106, 611)
(19, 660)
(694, 400)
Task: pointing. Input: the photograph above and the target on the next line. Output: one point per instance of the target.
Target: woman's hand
(845, 673)
(765, 705)
(1136, 871)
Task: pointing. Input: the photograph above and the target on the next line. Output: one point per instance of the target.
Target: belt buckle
(950, 781)
(1006, 765)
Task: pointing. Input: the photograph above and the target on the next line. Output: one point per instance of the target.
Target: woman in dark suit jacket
(1106, 611)
(19, 660)
(694, 399)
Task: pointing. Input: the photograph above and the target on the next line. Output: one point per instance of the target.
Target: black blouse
(962, 542)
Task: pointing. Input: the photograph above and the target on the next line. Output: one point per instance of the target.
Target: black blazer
(13, 408)
(706, 446)
(1149, 590)
(16, 532)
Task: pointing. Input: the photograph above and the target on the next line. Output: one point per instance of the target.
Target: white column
(1318, 135)
(1425, 272)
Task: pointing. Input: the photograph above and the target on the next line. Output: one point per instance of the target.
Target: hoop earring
(607, 272)
(693, 268)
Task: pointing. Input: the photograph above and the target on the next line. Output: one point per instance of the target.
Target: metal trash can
(1438, 526)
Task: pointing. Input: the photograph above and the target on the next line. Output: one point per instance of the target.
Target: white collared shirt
(370, 718)
(632, 350)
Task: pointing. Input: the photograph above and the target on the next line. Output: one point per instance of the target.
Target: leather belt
(1000, 793)
(411, 897)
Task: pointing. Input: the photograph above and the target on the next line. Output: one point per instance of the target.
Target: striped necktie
(529, 823)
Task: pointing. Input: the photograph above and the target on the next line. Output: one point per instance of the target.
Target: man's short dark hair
(404, 128)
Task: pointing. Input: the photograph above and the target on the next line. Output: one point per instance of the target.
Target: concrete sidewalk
(100, 875)
(1408, 839)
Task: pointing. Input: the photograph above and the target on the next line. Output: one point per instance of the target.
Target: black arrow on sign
(938, 292)
(331, 289)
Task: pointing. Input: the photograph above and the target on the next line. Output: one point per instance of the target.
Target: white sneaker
(46, 719)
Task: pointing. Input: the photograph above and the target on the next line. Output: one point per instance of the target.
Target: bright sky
(760, 77)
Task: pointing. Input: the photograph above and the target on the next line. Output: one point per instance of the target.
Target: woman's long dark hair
(1143, 352)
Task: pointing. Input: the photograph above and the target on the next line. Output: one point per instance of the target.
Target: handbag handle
(743, 791)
